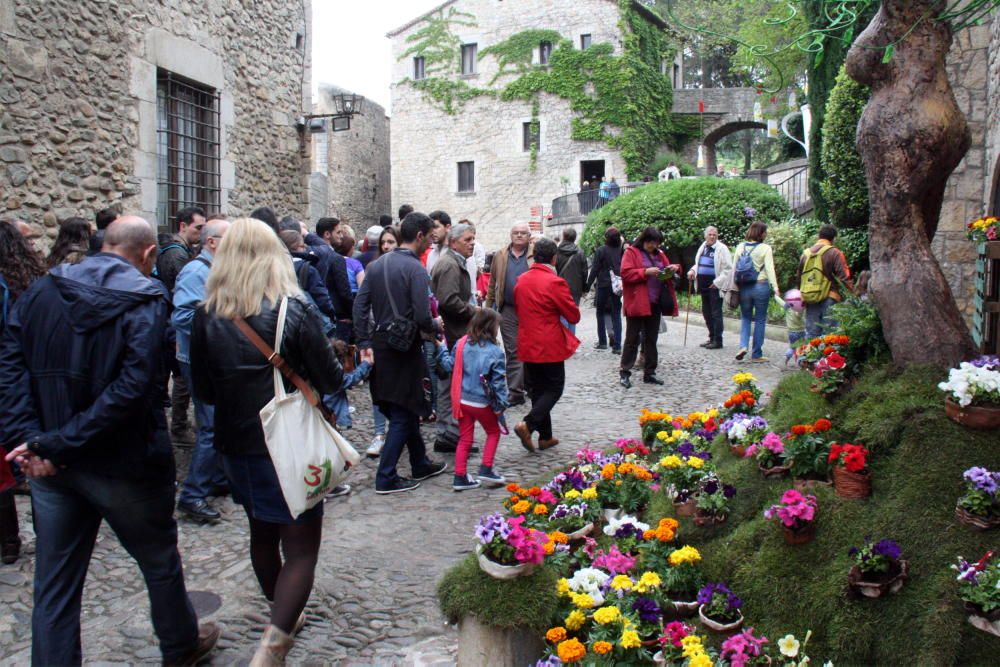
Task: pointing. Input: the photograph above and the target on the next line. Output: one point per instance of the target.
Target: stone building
(466, 141)
(152, 106)
(350, 167)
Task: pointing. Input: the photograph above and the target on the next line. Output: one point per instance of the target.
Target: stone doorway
(591, 170)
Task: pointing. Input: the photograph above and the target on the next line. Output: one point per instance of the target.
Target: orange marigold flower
(751, 402)
(602, 648)
(549, 548)
(571, 650)
(608, 471)
(827, 351)
(541, 509)
(728, 403)
(521, 507)
(669, 522)
(559, 537)
(515, 499)
(822, 425)
(534, 492)
(556, 634)
(799, 429)
(512, 488)
(815, 342)
(648, 534)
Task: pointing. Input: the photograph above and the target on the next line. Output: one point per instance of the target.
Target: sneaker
(208, 635)
(600, 346)
(714, 345)
(652, 379)
(464, 483)
(433, 469)
(401, 485)
(706, 343)
(375, 449)
(199, 510)
(759, 360)
(339, 490)
(624, 379)
(490, 477)
(742, 353)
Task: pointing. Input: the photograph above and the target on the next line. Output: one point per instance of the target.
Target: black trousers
(649, 327)
(545, 383)
(711, 310)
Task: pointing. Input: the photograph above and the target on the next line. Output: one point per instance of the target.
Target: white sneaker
(375, 449)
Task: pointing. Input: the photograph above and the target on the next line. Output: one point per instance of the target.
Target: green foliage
(436, 42)
(859, 320)
(664, 158)
(787, 239)
(854, 242)
(681, 209)
(515, 53)
(844, 186)
(526, 602)
(917, 463)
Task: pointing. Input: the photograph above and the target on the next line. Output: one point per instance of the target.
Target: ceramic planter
(852, 485)
(498, 571)
(719, 626)
(613, 513)
(975, 520)
(803, 535)
(985, 621)
(973, 416)
(702, 518)
(686, 508)
(581, 533)
(658, 658)
(739, 451)
(683, 608)
(773, 471)
(876, 588)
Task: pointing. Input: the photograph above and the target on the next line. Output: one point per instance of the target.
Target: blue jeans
(379, 420)
(68, 509)
(753, 307)
(609, 316)
(205, 470)
(404, 431)
(816, 320)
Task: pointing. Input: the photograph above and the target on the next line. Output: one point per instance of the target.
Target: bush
(854, 242)
(859, 320)
(682, 209)
(787, 239)
(844, 187)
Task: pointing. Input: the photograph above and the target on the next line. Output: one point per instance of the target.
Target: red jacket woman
(541, 298)
(635, 293)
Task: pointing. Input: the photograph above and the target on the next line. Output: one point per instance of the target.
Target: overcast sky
(350, 49)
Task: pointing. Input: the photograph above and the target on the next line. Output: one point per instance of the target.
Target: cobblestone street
(373, 602)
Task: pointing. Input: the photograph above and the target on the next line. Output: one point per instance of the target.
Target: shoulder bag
(309, 455)
(399, 332)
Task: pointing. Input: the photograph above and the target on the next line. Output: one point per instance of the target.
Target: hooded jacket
(571, 266)
(82, 364)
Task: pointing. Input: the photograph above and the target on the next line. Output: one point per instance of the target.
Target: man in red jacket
(541, 297)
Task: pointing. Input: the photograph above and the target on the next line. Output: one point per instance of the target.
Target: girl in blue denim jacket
(478, 394)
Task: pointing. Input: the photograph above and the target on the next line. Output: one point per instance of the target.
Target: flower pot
(658, 658)
(805, 484)
(975, 520)
(581, 533)
(985, 621)
(702, 518)
(849, 484)
(684, 608)
(803, 535)
(886, 584)
(613, 513)
(973, 416)
(773, 471)
(499, 571)
(686, 508)
(719, 626)
(739, 451)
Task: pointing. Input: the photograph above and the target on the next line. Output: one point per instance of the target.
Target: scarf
(456, 378)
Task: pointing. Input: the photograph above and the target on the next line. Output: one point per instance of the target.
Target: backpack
(814, 285)
(745, 272)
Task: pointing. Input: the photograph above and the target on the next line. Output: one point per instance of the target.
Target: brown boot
(274, 646)
(208, 635)
(524, 433)
(545, 443)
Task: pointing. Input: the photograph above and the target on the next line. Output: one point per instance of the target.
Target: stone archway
(724, 130)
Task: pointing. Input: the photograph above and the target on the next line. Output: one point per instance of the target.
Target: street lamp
(347, 104)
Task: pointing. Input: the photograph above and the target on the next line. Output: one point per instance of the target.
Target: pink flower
(991, 233)
(751, 450)
(788, 497)
(546, 497)
(614, 561)
(772, 441)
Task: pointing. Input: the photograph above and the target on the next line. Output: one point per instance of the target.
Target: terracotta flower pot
(985, 621)
(702, 518)
(973, 416)
(719, 626)
(686, 508)
(886, 584)
(773, 471)
(849, 484)
(739, 451)
(805, 484)
(499, 571)
(803, 535)
(975, 520)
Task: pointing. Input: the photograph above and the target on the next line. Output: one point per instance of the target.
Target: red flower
(822, 425)
(799, 429)
(836, 361)
(750, 401)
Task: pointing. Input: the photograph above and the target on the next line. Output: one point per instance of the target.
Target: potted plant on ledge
(797, 514)
(769, 454)
(506, 548)
(850, 470)
(878, 568)
(682, 580)
(713, 502)
(807, 452)
(973, 398)
(719, 608)
(979, 590)
(980, 506)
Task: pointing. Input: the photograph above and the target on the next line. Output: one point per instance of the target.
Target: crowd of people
(118, 324)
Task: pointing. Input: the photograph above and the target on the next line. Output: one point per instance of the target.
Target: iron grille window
(418, 68)
(585, 41)
(187, 147)
(466, 176)
(532, 136)
(544, 51)
(469, 52)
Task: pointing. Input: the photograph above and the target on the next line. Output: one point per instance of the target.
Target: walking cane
(687, 314)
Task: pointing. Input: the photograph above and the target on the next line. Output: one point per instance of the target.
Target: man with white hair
(713, 270)
(509, 264)
(372, 235)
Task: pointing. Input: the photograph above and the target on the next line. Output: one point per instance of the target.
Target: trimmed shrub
(844, 188)
(682, 209)
(853, 241)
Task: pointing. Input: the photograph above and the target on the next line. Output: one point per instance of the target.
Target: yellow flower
(691, 640)
(713, 413)
(582, 600)
(630, 639)
(521, 507)
(590, 493)
(648, 580)
(671, 461)
(677, 434)
(685, 554)
(606, 615)
(556, 634)
(571, 650)
(662, 435)
(571, 494)
(695, 462)
(744, 378)
(562, 586)
(602, 648)
(575, 620)
(700, 660)
(621, 583)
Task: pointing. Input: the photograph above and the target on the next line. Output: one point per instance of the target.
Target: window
(418, 68)
(187, 147)
(544, 51)
(585, 41)
(469, 58)
(531, 133)
(466, 176)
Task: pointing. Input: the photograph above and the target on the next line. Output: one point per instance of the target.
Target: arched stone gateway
(727, 110)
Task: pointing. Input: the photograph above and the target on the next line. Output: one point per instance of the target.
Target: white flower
(589, 580)
(615, 524)
(789, 646)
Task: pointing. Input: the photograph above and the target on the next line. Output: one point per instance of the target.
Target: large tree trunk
(911, 137)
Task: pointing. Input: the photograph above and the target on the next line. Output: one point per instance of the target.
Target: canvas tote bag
(308, 453)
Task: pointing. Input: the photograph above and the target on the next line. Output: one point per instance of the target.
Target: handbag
(399, 332)
(310, 457)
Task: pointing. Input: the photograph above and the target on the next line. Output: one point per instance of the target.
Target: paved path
(382, 556)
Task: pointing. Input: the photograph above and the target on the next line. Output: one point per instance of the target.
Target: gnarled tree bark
(911, 137)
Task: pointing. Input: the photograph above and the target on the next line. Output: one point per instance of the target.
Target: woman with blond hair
(251, 276)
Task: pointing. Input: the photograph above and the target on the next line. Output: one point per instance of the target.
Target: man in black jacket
(81, 366)
(332, 269)
(571, 266)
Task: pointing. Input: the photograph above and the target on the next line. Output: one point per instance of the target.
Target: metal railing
(580, 204)
(795, 189)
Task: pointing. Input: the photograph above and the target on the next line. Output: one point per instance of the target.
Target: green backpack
(815, 286)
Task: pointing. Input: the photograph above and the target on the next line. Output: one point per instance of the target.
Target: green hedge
(682, 209)
(844, 186)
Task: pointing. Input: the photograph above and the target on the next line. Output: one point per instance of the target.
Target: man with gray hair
(713, 270)
(509, 264)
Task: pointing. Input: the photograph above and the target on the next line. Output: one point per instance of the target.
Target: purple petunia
(647, 609)
(492, 526)
(728, 490)
(749, 212)
(887, 548)
(983, 480)
(988, 362)
(711, 487)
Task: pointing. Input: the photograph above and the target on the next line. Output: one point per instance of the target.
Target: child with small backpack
(478, 394)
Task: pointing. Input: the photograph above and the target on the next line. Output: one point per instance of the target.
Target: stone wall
(427, 143)
(78, 101)
(992, 193)
(357, 167)
(967, 191)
